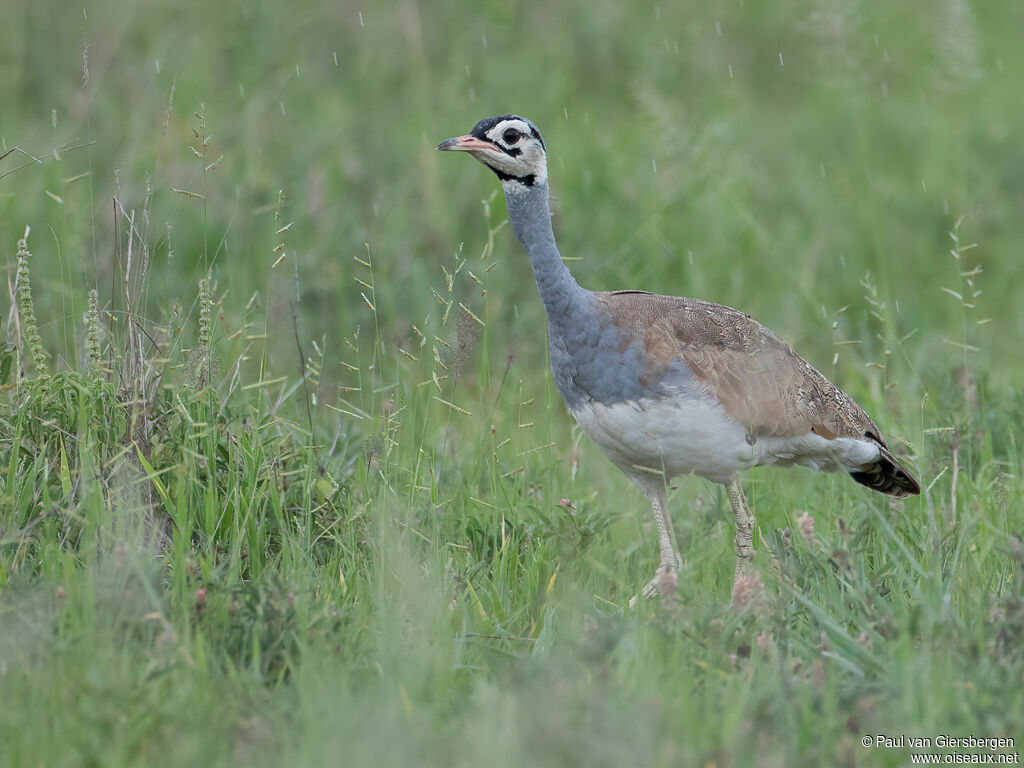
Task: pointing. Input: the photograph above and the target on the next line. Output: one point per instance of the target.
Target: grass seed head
(92, 321)
(26, 311)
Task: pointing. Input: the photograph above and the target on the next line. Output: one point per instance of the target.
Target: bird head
(509, 145)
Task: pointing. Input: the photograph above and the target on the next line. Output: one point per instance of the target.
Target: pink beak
(465, 144)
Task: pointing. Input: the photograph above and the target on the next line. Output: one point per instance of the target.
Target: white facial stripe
(496, 132)
(522, 159)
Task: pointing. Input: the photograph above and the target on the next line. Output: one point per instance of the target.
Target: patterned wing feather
(757, 377)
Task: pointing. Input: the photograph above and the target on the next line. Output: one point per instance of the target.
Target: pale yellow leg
(744, 541)
(671, 560)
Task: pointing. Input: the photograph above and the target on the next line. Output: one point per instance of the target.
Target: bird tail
(887, 476)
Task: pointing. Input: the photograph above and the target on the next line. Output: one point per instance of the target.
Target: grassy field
(294, 486)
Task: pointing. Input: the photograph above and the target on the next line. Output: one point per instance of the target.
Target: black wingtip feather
(888, 476)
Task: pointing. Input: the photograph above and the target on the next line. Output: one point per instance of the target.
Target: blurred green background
(410, 584)
(763, 155)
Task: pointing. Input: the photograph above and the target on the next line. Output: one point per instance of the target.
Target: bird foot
(663, 583)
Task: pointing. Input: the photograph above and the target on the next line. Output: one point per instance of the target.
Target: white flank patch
(845, 454)
(656, 440)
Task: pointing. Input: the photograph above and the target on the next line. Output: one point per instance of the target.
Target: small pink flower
(806, 524)
(667, 582)
(747, 590)
(764, 641)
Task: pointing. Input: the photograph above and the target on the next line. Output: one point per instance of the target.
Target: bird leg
(671, 560)
(744, 541)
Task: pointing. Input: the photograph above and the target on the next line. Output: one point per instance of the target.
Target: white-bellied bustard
(668, 386)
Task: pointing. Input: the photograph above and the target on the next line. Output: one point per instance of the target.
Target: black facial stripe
(528, 179)
(481, 129)
(514, 151)
(536, 134)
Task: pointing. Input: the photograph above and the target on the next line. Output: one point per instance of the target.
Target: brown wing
(757, 377)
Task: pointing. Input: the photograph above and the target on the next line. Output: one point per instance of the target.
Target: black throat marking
(529, 179)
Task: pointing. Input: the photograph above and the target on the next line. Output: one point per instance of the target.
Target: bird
(669, 386)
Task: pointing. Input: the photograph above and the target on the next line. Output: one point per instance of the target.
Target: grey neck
(530, 213)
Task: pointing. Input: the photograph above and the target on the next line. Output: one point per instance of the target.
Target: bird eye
(511, 136)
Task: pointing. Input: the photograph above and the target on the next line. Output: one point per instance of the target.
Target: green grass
(301, 489)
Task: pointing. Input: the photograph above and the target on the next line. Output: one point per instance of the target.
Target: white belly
(660, 439)
(669, 437)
